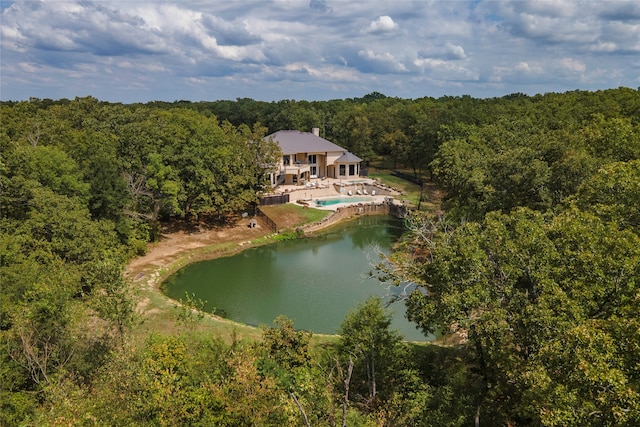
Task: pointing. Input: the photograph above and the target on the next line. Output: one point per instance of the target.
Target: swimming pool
(336, 200)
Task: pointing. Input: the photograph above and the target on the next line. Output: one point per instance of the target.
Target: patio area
(362, 190)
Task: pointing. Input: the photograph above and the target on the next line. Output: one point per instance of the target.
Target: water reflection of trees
(374, 231)
(267, 252)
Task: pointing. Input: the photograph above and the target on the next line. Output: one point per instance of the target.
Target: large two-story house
(305, 156)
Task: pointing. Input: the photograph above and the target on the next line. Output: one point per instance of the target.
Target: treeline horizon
(535, 263)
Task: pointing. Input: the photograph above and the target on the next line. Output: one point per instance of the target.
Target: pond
(314, 281)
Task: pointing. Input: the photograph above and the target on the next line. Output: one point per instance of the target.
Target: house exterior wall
(322, 166)
(332, 156)
(301, 166)
(347, 170)
(331, 171)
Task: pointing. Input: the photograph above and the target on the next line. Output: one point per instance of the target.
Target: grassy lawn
(290, 215)
(431, 195)
(411, 190)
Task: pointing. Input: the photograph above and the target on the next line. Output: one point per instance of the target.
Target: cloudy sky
(271, 50)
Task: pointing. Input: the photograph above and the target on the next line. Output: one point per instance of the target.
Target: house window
(343, 170)
(286, 160)
(313, 170)
(352, 170)
(312, 159)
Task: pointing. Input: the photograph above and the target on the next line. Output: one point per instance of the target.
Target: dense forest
(534, 265)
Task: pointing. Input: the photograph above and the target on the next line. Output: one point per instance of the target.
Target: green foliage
(613, 193)
(352, 130)
(582, 377)
(15, 407)
(287, 235)
(541, 288)
(171, 381)
(365, 336)
(614, 139)
(190, 310)
(113, 299)
(511, 163)
(287, 347)
(521, 285)
(287, 361)
(51, 168)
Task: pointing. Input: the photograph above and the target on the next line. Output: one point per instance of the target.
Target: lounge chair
(373, 192)
(359, 192)
(350, 193)
(365, 192)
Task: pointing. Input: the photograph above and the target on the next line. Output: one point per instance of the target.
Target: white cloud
(351, 48)
(519, 71)
(445, 70)
(550, 8)
(545, 71)
(381, 61)
(27, 67)
(573, 65)
(455, 51)
(603, 47)
(523, 67)
(611, 26)
(325, 73)
(384, 24)
(447, 51)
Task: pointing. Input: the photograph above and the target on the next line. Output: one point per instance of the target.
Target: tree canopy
(530, 276)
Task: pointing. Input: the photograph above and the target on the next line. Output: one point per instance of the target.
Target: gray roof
(293, 141)
(348, 158)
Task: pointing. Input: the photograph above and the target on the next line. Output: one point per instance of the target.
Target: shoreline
(177, 249)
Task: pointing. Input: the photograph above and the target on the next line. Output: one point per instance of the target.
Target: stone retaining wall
(347, 212)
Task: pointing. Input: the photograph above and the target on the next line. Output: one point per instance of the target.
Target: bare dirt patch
(181, 238)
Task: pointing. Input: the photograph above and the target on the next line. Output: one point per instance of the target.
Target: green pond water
(314, 281)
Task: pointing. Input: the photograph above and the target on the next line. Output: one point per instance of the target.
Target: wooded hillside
(536, 263)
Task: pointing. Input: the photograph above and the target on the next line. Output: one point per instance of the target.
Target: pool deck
(326, 188)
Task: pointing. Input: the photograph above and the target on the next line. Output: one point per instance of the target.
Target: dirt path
(182, 244)
(179, 245)
(175, 243)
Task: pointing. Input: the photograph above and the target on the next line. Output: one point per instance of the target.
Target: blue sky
(139, 51)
